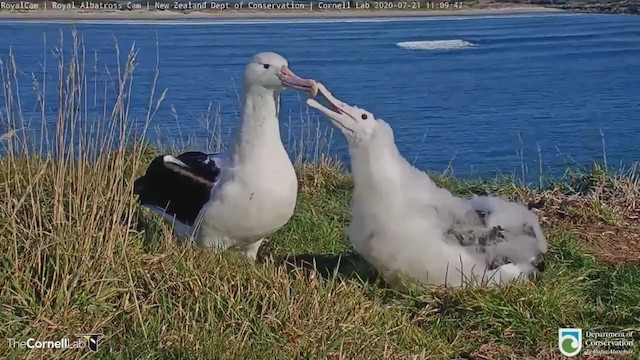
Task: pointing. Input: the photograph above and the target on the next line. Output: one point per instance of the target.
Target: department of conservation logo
(570, 341)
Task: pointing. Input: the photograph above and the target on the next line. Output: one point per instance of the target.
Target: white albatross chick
(233, 200)
(406, 226)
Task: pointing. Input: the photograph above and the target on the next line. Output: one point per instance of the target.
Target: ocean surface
(481, 95)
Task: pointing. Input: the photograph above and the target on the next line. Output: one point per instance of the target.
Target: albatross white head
(266, 75)
(371, 142)
(269, 71)
(359, 126)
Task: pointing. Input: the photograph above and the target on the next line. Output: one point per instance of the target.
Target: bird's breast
(252, 204)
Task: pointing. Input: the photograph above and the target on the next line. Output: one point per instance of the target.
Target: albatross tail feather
(178, 187)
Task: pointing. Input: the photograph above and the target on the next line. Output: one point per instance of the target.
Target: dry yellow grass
(78, 255)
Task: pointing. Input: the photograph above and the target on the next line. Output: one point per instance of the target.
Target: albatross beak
(339, 112)
(293, 81)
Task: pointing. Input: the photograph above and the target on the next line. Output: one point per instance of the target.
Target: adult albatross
(405, 225)
(233, 199)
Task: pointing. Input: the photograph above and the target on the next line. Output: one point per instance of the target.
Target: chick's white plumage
(407, 226)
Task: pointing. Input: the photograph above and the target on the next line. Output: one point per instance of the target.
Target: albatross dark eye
(266, 66)
(364, 117)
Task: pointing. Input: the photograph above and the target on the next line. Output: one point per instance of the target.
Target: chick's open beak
(335, 106)
(338, 112)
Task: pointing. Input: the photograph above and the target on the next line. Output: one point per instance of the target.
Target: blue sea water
(483, 95)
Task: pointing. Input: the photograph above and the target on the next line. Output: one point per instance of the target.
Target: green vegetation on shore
(78, 255)
(596, 6)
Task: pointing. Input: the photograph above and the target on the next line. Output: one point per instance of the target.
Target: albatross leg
(251, 251)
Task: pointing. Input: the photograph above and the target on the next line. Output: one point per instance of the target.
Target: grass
(78, 255)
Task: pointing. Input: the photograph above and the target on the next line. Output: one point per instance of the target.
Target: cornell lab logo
(92, 340)
(570, 341)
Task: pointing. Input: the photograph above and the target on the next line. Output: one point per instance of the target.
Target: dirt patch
(600, 210)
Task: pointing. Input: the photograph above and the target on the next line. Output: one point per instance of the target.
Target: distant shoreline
(247, 14)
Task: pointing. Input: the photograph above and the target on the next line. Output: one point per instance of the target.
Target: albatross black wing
(178, 186)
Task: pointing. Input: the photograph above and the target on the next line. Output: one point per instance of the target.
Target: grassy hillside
(78, 255)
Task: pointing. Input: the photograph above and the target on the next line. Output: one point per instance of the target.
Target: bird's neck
(384, 177)
(259, 128)
(379, 167)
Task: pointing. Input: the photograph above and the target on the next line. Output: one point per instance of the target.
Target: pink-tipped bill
(291, 80)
